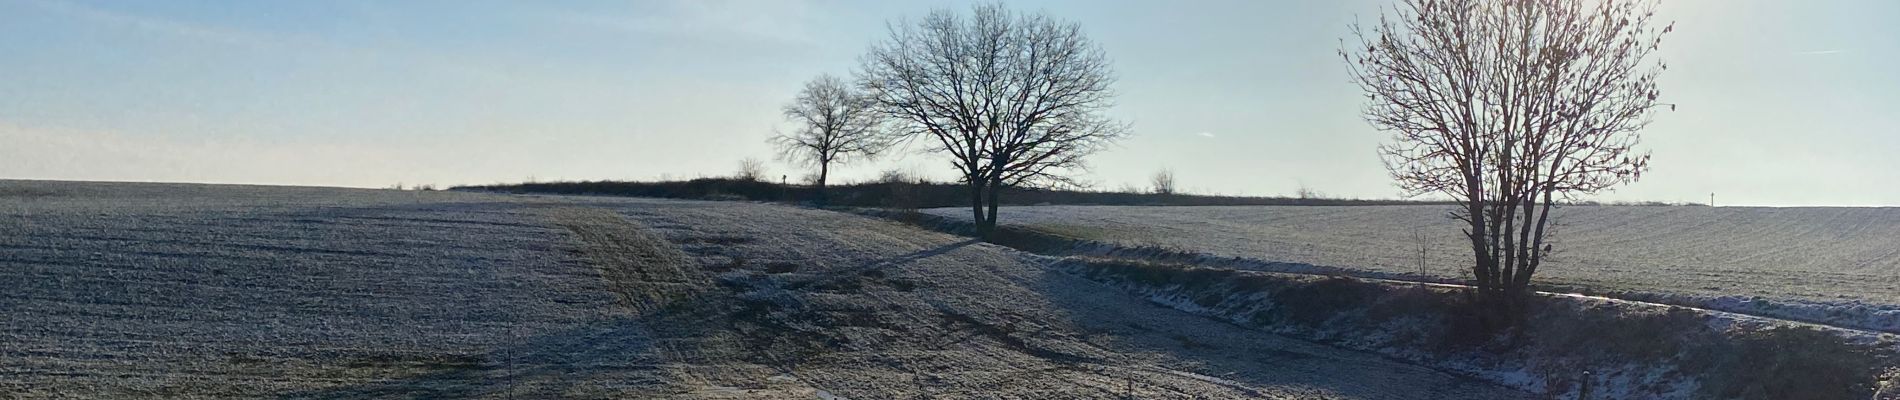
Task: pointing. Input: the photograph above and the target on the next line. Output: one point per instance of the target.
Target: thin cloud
(154, 24)
(262, 41)
(1205, 134)
(1819, 52)
(776, 21)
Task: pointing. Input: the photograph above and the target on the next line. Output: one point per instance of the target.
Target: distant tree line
(908, 193)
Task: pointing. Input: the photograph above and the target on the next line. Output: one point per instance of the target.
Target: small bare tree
(835, 125)
(1307, 193)
(1012, 99)
(1164, 182)
(1509, 106)
(750, 169)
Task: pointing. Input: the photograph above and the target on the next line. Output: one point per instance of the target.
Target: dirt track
(218, 291)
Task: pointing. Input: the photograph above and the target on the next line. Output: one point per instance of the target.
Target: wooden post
(1419, 237)
(1584, 392)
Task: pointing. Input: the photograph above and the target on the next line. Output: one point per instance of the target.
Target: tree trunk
(824, 172)
(976, 207)
(1496, 303)
(996, 190)
(1481, 270)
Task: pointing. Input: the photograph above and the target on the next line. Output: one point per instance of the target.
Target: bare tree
(1508, 106)
(750, 169)
(835, 126)
(1164, 182)
(1012, 99)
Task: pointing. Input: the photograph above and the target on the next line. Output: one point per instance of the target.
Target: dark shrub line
(903, 195)
(915, 195)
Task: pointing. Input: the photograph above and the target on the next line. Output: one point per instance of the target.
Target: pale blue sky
(1782, 102)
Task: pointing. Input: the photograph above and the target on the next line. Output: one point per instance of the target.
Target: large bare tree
(1509, 107)
(835, 125)
(1012, 99)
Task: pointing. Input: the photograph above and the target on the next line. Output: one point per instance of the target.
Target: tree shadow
(619, 349)
(620, 356)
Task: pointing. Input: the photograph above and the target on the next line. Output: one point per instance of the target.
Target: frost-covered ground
(143, 290)
(1844, 257)
(137, 290)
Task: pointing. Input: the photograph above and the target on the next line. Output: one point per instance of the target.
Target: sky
(1780, 103)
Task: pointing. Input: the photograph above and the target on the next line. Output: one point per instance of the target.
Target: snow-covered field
(161, 290)
(1839, 256)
